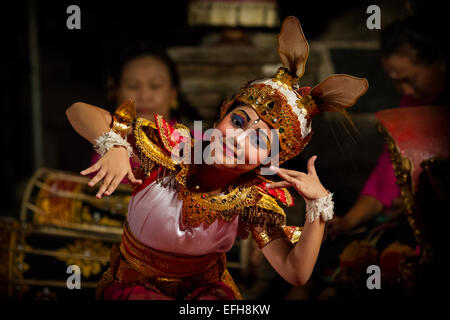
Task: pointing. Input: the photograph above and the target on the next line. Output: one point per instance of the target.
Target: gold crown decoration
(285, 78)
(283, 105)
(310, 105)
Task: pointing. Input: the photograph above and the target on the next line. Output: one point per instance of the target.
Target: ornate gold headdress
(283, 105)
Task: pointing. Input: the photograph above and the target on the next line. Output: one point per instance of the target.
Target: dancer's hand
(112, 168)
(307, 185)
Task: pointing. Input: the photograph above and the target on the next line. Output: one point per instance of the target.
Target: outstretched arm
(296, 263)
(91, 122)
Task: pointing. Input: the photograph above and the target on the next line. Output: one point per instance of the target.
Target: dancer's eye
(257, 141)
(237, 121)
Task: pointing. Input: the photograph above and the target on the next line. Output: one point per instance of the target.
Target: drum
(59, 247)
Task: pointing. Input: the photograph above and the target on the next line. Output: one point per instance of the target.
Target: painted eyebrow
(245, 113)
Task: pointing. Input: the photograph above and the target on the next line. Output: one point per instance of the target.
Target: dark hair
(158, 52)
(419, 33)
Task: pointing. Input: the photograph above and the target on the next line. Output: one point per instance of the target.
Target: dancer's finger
(292, 173)
(106, 183)
(131, 179)
(279, 184)
(114, 183)
(311, 167)
(287, 177)
(93, 168)
(99, 176)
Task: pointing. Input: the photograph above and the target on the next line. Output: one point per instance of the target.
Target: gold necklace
(201, 207)
(192, 170)
(247, 199)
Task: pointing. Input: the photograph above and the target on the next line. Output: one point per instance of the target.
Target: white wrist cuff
(110, 139)
(322, 207)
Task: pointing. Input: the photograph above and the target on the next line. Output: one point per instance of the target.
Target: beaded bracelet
(322, 207)
(111, 139)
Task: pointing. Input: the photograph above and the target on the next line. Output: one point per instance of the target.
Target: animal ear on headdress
(293, 48)
(338, 92)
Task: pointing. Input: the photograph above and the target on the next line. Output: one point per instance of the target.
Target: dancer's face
(245, 140)
(146, 81)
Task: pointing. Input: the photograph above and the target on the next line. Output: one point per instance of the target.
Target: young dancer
(183, 217)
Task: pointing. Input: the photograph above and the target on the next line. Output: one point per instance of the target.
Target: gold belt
(170, 273)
